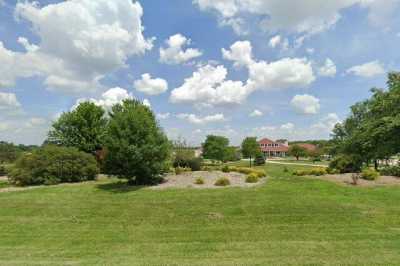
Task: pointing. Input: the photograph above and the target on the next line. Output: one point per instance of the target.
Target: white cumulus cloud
(256, 113)
(367, 70)
(194, 119)
(108, 99)
(151, 86)
(306, 104)
(240, 53)
(8, 101)
(175, 52)
(328, 69)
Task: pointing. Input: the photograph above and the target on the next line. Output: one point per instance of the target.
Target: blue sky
(263, 68)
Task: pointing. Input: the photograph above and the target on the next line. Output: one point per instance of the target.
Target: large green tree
(215, 147)
(83, 128)
(137, 148)
(297, 151)
(250, 148)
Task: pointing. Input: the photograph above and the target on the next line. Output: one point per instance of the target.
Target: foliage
(346, 164)
(369, 174)
(83, 128)
(215, 147)
(53, 165)
(199, 181)
(247, 171)
(181, 170)
(371, 131)
(285, 169)
(222, 182)
(225, 169)
(390, 171)
(184, 156)
(260, 160)
(207, 162)
(314, 172)
(10, 152)
(297, 151)
(3, 170)
(232, 154)
(250, 148)
(211, 168)
(252, 178)
(137, 148)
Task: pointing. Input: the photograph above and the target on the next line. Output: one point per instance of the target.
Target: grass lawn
(4, 184)
(287, 221)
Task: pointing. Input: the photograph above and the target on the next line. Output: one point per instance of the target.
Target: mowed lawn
(287, 221)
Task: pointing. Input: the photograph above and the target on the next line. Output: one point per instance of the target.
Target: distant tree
(250, 148)
(83, 128)
(297, 151)
(232, 154)
(215, 147)
(8, 152)
(137, 148)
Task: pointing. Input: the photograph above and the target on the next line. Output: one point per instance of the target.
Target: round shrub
(226, 169)
(300, 173)
(318, 172)
(53, 165)
(222, 182)
(260, 160)
(369, 174)
(199, 181)
(252, 178)
(346, 164)
(259, 173)
(391, 171)
(195, 164)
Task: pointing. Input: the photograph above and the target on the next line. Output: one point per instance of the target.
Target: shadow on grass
(119, 187)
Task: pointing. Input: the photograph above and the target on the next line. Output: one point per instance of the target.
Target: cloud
(8, 101)
(108, 99)
(240, 53)
(277, 41)
(305, 104)
(163, 116)
(81, 41)
(208, 85)
(328, 69)
(151, 86)
(298, 17)
(194, 119)
(147, 103)
(367, 70)
(327, 123)
(175, 54)
(281, 74)
(256, 113)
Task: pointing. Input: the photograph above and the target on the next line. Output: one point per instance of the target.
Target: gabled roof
(266, 141)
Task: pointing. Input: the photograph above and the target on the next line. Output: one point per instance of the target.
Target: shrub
(53, 165)
(259, 173)
(285, 169)
(180, 170)
(391, 171)
(318, 172)
(260, 160)
(369, 174)
(346, 164)
(252, 178)
(222, 182)
(332, 171)
(3, 170)
(195, 164)
(300, 173)
(226, 169)
(199, 181)
(244, 170)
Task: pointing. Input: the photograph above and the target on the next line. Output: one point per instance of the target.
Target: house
(273, 148)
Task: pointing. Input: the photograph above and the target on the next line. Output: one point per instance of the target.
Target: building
(274, 148)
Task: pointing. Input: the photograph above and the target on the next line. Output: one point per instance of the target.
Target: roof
(281, 147)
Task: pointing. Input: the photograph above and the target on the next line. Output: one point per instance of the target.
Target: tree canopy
(297, 151)
(137, 148)
(83, 128)
(250, 148)
(215, 147)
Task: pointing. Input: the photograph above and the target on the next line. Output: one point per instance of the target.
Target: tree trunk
(376, 165)
(250, 161)
(297, 158)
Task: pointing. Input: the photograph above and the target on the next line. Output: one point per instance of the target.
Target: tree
(232, 154)
(260, 159)
(250, 148)
(215, 147)
(137, 148)
(297, 151)
(82, 128)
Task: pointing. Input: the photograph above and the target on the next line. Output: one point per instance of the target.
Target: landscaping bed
(347, 180)
(188, 180)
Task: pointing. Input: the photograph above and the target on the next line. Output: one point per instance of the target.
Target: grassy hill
(287, 221)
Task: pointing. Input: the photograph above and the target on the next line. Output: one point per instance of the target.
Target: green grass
(287, 221)
(4, 184)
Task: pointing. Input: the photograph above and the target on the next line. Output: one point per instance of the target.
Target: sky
(265, 68)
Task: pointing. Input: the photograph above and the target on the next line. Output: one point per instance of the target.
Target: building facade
(272, 148)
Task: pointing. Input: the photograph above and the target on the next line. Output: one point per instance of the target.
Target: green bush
(195, 164)
(181, 170)
(332, 171)
(222, 182)
(260, 160)
(53, 165)
(315, 172)
(285, 169)
(391, 171)
(3, 170)
(252, 178)
(226, 169)
(346, 164)
(244, 170)
(199, 181)
(369, 174)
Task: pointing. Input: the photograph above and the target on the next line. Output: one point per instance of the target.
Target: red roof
(276, 146)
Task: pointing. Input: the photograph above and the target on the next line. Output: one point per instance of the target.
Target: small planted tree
(297, 151)
(137, 148)
(250, 148)
(260, 160)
